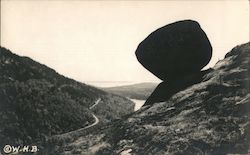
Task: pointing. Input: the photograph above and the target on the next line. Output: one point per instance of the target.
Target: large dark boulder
(175, 50)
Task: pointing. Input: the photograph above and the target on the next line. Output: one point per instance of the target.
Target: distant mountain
(37, 102)
(207, 118)
(139, 91)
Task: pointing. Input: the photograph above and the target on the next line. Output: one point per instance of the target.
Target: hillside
(37, 102)
(140, 91)
(210, 117)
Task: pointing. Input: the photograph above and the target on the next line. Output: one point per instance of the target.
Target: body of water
(104, 84)
(138, 103)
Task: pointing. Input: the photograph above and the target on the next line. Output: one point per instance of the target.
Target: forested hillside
(37, 102)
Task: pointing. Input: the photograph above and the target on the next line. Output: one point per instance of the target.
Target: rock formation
(175, 53)
(207, 118)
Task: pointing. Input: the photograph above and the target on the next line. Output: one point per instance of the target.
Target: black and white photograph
(125, 77)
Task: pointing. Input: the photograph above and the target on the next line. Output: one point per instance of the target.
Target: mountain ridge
(140, 91)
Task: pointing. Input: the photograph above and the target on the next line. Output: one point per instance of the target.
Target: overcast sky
(96, 40)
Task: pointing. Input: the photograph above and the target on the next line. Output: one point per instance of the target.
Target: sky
(95, 41)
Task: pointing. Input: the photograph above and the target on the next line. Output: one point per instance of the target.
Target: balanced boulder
(175, 50)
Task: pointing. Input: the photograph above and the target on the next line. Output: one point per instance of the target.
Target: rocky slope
(210, 117)
(140, 91)
(36, 102)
